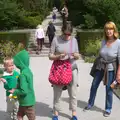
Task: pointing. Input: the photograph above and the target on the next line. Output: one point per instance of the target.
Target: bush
(32, 22)
(16, 37)
(89, 59)
(92, 47)
(89, 21)
(84, 36)
(91, 50)
(9, 48)
(12, 42)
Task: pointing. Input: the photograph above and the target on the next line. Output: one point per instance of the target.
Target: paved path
(44, 94)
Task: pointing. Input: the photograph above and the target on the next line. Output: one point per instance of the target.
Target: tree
(9, 10)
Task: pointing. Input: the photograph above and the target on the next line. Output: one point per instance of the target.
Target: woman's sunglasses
(68, 34)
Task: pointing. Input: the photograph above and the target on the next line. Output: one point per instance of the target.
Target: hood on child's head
(21, 59)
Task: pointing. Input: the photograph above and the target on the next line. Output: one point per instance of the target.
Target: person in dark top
(50, 32)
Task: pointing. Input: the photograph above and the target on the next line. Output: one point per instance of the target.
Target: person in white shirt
(39, 35)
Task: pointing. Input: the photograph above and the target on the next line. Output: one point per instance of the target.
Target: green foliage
(8, 11)
(92, 47)
(89, 21)
(102, 10)
(15, 37)
(9, 48)
(12, 42)
(31, 22)
(23, 13)
(85, 36)
(89, 59)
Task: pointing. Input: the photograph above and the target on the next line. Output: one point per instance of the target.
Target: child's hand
(11, 91)
(3, 80)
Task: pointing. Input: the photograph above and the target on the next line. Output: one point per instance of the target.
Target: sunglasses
(68, 34)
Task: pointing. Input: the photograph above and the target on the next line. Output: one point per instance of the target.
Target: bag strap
(71, 46)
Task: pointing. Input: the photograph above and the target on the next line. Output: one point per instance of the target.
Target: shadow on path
(43, 110)
(2, 115)
(83, 104)
(64, 115)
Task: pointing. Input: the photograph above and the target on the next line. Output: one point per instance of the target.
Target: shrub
(84, 37)
(89, 21)
(12, 42)
(9, 48)
(91, 50)
(92, 47)
(32, 22)
(89, 59)
(16, 37)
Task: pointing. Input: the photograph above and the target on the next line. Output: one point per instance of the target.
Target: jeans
(109, 93)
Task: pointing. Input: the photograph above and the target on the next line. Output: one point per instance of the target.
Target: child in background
(54, 17)
(24, 90)
(9, 79)
(54, 14)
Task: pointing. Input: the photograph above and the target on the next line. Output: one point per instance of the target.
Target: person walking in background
(64, 14)
(50, 32)
(106, 67)
(24, 90)
(65, 47)
(39, 36)
(54, 14)
(10, 79)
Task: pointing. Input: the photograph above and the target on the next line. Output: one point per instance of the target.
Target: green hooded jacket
(11, 81)
(25, 90)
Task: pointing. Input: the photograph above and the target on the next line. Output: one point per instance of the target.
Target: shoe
(74, 118)
(55, 118)
(64, 88)
(87, 107)
(106, 114)
(37, 53)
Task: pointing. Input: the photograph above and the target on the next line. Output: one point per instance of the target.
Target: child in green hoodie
(9, 79)
(25, 90)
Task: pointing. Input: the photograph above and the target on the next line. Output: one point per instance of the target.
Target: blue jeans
(109, 92)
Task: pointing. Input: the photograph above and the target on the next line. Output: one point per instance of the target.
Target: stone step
(41, 54)
(34, 44)
(43, 49)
